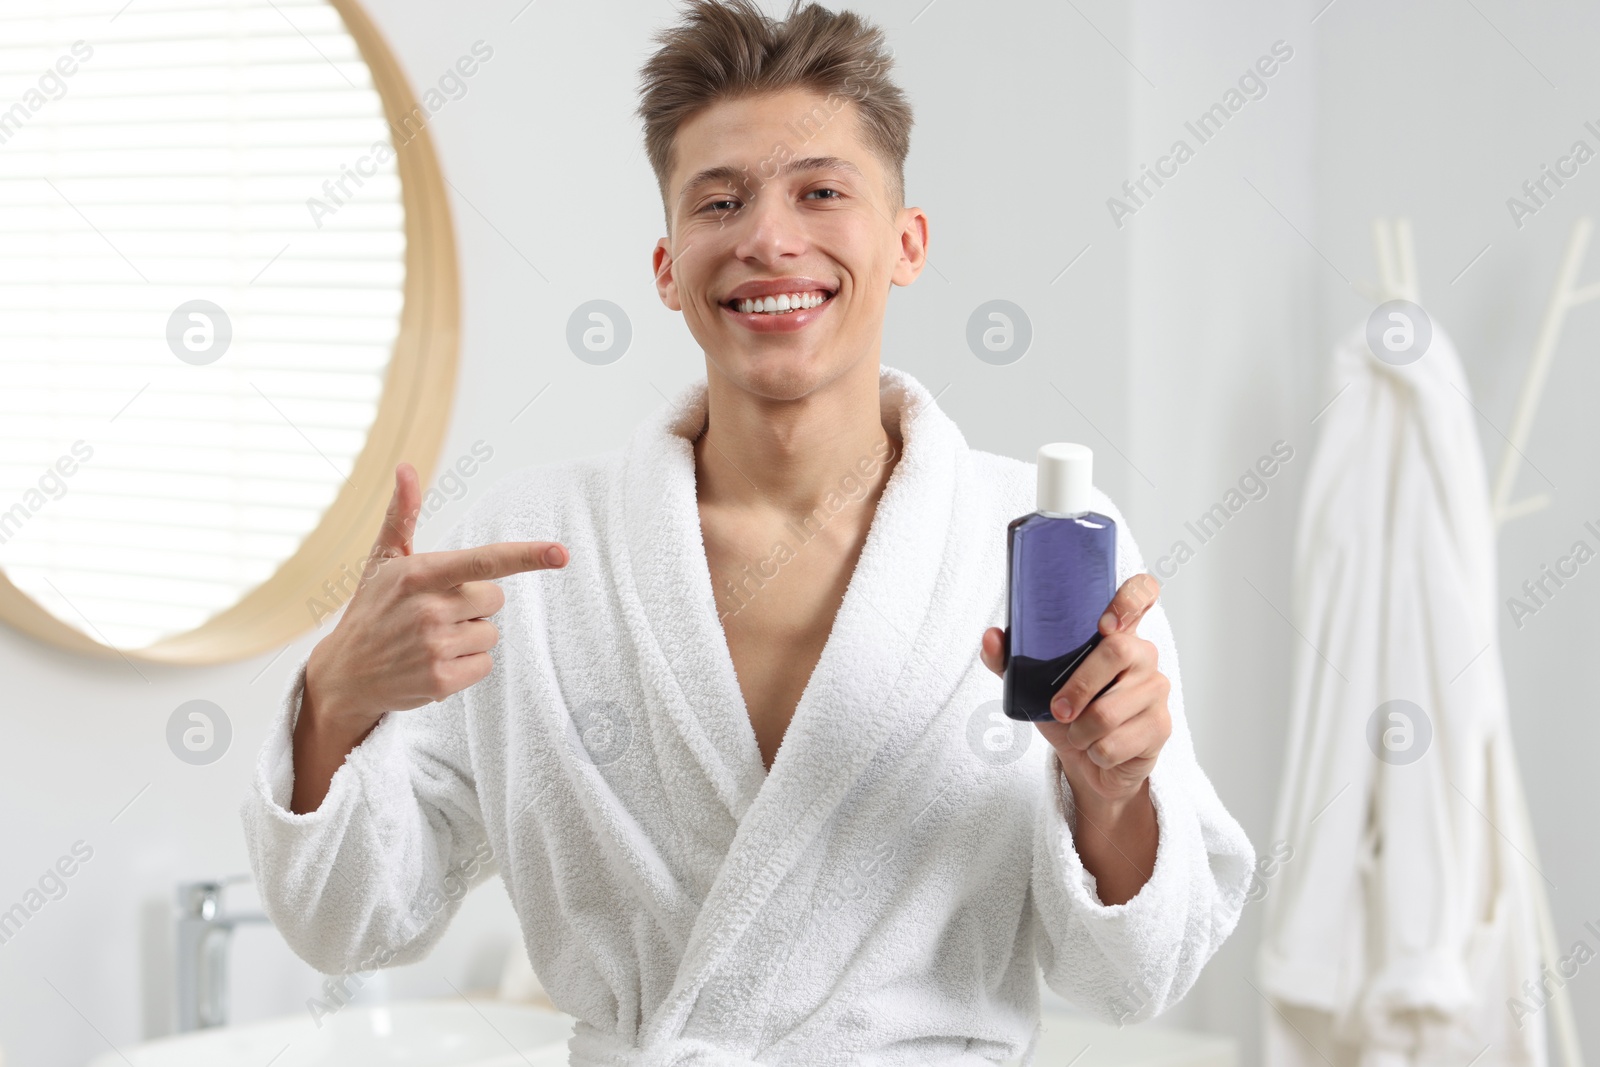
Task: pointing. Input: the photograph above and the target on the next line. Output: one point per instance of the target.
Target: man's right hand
(416, 630)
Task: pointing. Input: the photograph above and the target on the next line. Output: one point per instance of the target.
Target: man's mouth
(786, 304)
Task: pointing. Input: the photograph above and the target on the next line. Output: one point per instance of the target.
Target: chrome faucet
(204, 936)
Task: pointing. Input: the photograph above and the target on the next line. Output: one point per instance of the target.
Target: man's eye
(717, 205)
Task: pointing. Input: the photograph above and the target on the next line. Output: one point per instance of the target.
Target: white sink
(416, 1033)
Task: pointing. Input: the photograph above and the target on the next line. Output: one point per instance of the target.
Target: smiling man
(738, 754)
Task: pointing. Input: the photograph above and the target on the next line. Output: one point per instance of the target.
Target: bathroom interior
(1188, 311)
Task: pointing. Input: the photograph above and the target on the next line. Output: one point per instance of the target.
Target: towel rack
(1397, 280)
(1563, 298)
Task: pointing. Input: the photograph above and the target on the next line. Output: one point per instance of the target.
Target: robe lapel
(682, 652)
(888, 639)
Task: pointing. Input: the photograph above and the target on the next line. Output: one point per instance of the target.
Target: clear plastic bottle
(1061, 571)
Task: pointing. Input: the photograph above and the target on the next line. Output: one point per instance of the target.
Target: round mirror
(228, 306)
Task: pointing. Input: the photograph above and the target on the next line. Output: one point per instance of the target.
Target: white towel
(1404, 920)
(885, 895)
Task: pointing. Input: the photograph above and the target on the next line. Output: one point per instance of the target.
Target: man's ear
(913, 246)
(666, 284)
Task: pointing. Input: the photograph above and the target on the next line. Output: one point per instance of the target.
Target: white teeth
(773, 305)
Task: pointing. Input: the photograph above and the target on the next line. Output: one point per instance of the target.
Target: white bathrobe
(885, 895)
(1404, 919)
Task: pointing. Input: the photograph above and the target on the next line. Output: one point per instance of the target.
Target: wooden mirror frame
(410, 423)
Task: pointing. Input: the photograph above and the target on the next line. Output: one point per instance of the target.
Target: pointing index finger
(499, 560)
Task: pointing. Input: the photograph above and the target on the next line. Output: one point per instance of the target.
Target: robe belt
(592, 1047)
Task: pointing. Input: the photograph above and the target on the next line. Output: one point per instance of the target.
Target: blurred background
(1181, 337)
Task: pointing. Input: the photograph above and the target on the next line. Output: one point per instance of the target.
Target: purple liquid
(1061, 577)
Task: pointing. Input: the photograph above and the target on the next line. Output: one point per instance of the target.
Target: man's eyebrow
(732, 175)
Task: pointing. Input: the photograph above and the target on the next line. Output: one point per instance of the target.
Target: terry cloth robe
(1402, 926)
(885, 895)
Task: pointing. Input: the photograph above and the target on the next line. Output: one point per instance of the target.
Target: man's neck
(787, 456)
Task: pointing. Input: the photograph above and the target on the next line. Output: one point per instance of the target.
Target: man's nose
(769, 225)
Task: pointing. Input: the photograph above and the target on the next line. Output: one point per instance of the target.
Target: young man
(738, 755)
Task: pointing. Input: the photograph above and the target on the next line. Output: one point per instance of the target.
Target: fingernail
(1059, 708)
(1109, 617)
(552, 556)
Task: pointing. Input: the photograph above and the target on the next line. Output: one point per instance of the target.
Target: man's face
(761, 219)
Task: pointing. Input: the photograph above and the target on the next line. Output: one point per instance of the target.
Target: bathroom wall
(1219, 360)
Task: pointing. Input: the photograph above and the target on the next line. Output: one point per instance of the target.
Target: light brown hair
(728, 49)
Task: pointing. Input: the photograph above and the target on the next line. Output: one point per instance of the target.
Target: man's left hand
(1107, 743)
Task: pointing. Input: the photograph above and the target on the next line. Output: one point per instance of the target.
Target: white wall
(1186, 342)
(1221, 306)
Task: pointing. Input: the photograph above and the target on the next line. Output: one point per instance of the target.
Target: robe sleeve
(372, 877)
(1129, 962)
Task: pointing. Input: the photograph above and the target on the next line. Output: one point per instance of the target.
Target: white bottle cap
(1065, 476)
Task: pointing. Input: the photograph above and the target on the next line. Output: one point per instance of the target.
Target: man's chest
(777, 606)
